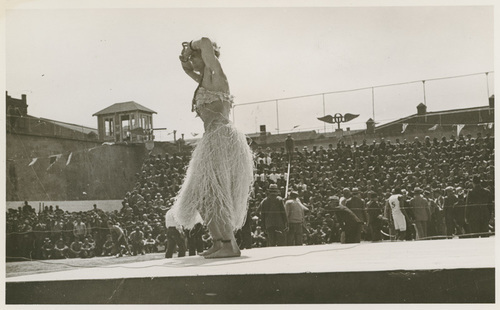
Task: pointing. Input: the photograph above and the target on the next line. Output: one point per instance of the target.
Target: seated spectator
(87, 249)
(47, 249)
(137, 241)
(60, 249)
(149, 244)
(109, 247)
(161, 241)
(259, 238)
(75, 249)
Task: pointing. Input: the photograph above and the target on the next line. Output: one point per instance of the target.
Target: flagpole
(487, 86)
(277, 117)
(425, 100)
(324, 113)
(373, 104)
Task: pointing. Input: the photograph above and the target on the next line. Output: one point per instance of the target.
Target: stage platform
(432, 271)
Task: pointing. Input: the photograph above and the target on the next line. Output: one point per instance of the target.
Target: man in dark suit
(349, 222)
(274, 219)
(358, 207)
(479, 207)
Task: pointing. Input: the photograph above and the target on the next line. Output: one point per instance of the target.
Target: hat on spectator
(355, 190)
(417, 190)
(334, 198)
(294, 193)
(449, 188)
(273, 188)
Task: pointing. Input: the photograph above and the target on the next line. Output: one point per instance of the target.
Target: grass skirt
(218, 180)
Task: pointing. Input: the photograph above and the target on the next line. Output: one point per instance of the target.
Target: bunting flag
(295, 126)
(490, 125)
(194, 134)
(53, 159)
(404, 127)
(459, 128)
(69, 158)
(434, 127)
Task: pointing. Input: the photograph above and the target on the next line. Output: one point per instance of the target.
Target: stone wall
(95, 171)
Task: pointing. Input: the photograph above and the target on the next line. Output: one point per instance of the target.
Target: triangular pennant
(69, 158)
(53, 159)
(434, 127)
(459, 128)
(404, 127)
(33, 161)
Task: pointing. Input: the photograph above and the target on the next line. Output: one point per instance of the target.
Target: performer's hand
(186, 64)
(186, 52)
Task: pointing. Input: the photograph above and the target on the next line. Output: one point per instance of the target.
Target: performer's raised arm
(186, 63)
(209, 53)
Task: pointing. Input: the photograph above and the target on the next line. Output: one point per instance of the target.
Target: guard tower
(125, 122)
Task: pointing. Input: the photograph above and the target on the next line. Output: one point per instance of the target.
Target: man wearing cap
(295, 215)
(421, 212)
(479, 207)
(358, 207)
(274, 219)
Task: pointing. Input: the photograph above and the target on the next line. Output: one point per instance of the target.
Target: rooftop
(123, 107)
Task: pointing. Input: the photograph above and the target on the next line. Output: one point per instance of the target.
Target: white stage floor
(382, 256)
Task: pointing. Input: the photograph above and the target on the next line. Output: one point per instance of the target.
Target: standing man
(478, 208)
(346, 194)
(295, 215)
(421, 212)
(358, 207)
(119, 238)
(175, 236)
(374, 217)
(395, 202)
(349, 222)
(449, 201)
(274, 219)
(79, 229)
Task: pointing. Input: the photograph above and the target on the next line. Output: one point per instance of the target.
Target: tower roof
(123, 107)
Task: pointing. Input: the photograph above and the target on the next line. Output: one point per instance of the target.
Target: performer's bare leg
(229, 246)
(216, 239)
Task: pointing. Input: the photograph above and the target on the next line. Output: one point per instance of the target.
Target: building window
(108, 127)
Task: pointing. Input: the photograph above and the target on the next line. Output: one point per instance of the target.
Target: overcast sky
(73, 63)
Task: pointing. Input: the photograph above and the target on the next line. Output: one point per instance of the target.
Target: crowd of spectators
(439, 168)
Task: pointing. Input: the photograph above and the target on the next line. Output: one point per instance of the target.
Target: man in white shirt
(295, 214)
(397, 214)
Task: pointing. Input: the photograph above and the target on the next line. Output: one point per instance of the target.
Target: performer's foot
(227, 250)
(215, 247)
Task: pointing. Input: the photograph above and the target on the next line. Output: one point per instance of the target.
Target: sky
(72, 63)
